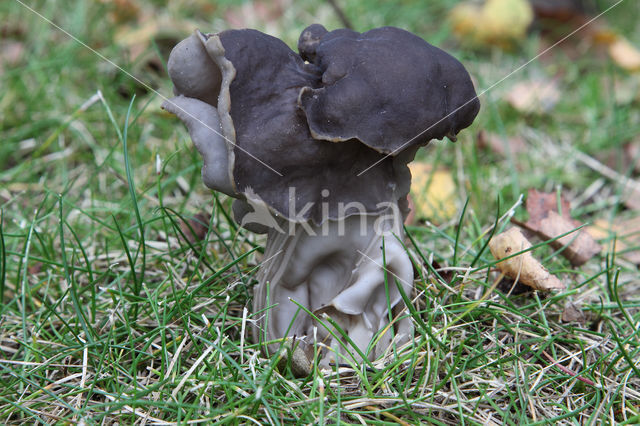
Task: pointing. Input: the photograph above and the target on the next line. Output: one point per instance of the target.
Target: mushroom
(314, 148)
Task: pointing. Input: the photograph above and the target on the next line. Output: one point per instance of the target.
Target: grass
(112, 312)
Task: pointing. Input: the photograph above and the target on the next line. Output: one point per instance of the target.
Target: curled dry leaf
(523, 267)
(433, 192)
(548, 223)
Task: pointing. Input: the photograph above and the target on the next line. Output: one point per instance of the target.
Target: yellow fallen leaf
(496, 22)
(506, 19)
(433, 192)
(625, 54)
(464, 21)
(523, 267)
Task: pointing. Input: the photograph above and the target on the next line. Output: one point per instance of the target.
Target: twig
(566, 370)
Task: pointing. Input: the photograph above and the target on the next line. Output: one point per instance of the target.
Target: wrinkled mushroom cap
(386, 87)
(280, 113)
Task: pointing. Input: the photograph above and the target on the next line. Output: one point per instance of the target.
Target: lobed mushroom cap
(192, 71)
(386, 87)
(375, 93)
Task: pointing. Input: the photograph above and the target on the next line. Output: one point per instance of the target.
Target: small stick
(566, 370)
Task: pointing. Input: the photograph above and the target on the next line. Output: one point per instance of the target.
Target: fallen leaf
(572, 313)
(497, 22)
(522, 267)
(627, 237)
(433, 192)
(463, 19)
(558, 10)
(534, 96)
(501, 145)
(539, 203)
(506, 20)
(578, 247)
(624, 54)
(549, 222)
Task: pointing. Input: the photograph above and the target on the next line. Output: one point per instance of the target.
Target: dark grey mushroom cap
(276, 113)
(386, 87)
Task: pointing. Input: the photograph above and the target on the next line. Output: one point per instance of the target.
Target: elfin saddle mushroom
(314, 148)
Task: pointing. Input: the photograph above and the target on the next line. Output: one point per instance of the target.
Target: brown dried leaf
(548, 223)
(579, 246)
(540, 203)
(499, 144)
(523, 267)
(559, 11)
